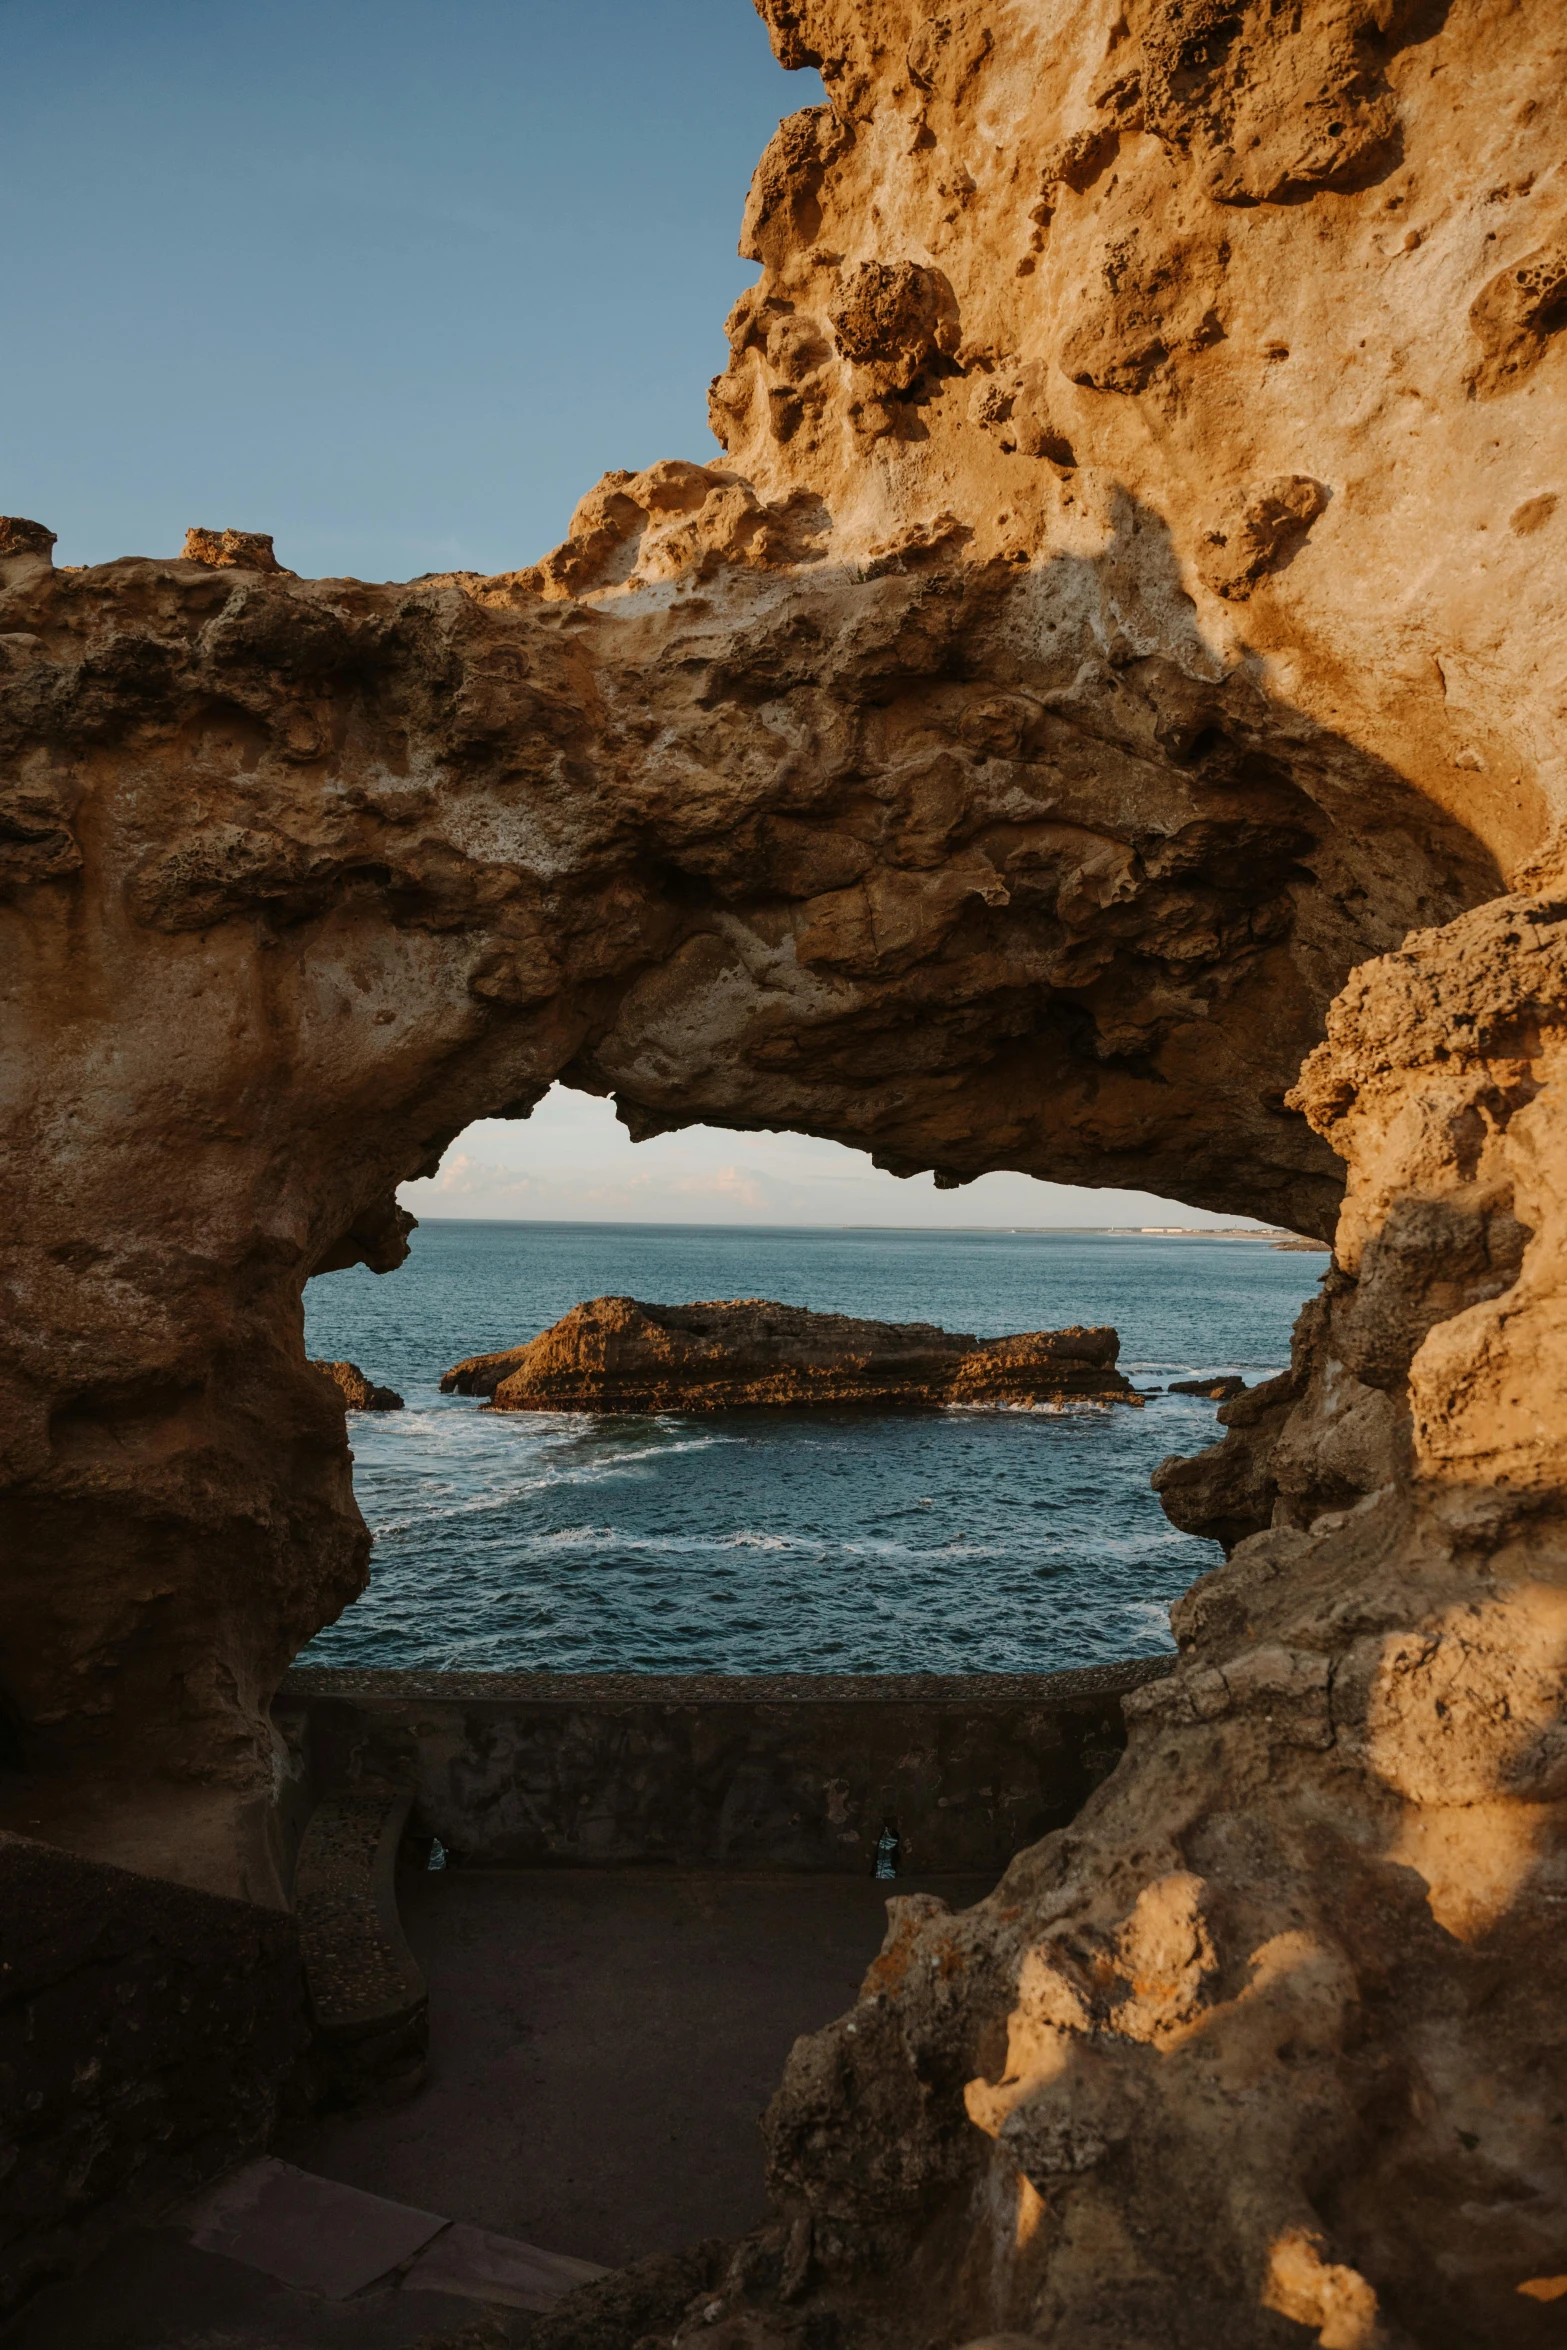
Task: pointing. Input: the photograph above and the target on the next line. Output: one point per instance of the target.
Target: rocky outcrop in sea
(359, 1393)
(617, 1354)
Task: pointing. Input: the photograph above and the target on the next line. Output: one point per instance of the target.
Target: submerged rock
(359, 1393)
(616, 1354)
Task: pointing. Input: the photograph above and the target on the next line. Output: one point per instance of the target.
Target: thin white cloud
(573, 1162)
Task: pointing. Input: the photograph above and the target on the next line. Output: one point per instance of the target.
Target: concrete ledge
(965, 1689)
(787, 1771)
(367, 1994)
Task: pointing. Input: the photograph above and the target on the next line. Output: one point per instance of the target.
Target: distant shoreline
(1273, 1233)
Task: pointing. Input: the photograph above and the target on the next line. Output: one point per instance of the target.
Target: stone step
(333, 2241)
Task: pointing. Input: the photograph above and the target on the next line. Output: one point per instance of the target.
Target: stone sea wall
(790, 1771)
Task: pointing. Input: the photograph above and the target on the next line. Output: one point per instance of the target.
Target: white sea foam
(982, 1538)
(606, 1468)
(1058, 1408)
(1146, 1616)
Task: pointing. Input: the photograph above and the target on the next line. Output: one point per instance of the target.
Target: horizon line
(708, 1224)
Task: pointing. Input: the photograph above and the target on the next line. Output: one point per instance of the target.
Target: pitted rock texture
(1083, 724)
(827, 848)
(615, 1354)
(1273, 2036)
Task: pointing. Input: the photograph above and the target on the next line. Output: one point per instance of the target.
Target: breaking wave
(972, 1539)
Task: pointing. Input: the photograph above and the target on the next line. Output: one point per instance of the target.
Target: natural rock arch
(1078, 667)
(349, 867)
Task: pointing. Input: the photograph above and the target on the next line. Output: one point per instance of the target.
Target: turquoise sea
(954, 1541)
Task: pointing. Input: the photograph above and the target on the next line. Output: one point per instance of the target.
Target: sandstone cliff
(615, 1354)
(1115, 664)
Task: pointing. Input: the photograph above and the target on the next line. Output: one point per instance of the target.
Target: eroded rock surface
(1272, 2037)
(615, 1354)
(1123, 625)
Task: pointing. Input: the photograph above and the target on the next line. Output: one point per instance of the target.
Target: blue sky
(397, 283)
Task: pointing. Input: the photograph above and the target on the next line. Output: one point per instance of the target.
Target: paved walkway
(603, 2042)
(602, 2045)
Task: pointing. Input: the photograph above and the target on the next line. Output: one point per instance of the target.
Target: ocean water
(953, 1541)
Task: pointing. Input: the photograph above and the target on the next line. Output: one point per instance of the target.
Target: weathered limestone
(1124, 622)
(615, 1354)
(365, 863)
(707, 1771)
(1277, 2024)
